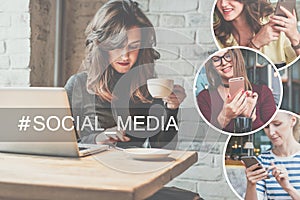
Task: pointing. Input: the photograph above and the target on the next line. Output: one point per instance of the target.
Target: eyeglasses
(218, 60)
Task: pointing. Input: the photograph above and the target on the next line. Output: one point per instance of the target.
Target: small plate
(146, 154)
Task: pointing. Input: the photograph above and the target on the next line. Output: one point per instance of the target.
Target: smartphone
(236, 85)
(116, 135)
(290, 5)
(250, 160)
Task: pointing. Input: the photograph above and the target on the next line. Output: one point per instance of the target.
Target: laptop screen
(37, 120)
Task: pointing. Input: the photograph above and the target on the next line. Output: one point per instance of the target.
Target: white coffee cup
(159, 87)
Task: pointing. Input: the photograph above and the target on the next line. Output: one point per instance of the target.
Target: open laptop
(39, 121)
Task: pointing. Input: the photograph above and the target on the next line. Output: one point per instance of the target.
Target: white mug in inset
(159, 87)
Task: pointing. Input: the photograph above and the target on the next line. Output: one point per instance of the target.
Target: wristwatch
(296, 46)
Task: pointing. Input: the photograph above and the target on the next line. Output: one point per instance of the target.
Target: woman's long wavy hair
(254, 10)
(239, 70)
(107, 31)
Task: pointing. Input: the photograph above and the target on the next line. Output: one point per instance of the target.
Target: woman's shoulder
(210, 93)
(79, 78)
(230, 41)
(76, 84)
(204, 91)
(267, 153)
(260, 88)
(203, 94)
(266, 157)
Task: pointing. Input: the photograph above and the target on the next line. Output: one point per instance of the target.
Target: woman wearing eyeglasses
(251, 23)
(219, 107)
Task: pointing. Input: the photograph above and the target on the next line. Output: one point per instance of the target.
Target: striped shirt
(270, 188)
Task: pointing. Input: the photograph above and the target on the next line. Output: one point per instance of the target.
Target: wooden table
(109, 175)
(233, 162)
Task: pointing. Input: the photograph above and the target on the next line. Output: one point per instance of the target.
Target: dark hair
(255, 11)
(107, 31)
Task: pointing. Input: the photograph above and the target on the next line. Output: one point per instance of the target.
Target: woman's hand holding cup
(172, 95)
(160, 87)
(175, 98)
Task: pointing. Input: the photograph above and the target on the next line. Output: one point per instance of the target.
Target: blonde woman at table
(252, 23)
(279, 177)
(216, 104)
(118, 61)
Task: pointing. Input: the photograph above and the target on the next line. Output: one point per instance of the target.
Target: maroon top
(265, 107)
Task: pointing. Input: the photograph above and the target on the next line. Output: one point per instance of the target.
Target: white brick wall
(14, 6)
(173, 5)
(14, 43)
(2, 47)
(5, 20)
(172, 21)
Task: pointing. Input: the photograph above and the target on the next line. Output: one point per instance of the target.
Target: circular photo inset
(265, 165)
(237, 91)
(268, 26)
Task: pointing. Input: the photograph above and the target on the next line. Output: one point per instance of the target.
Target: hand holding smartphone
(249, 161)
(116, 135)
(236, 85)
(290, 5)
